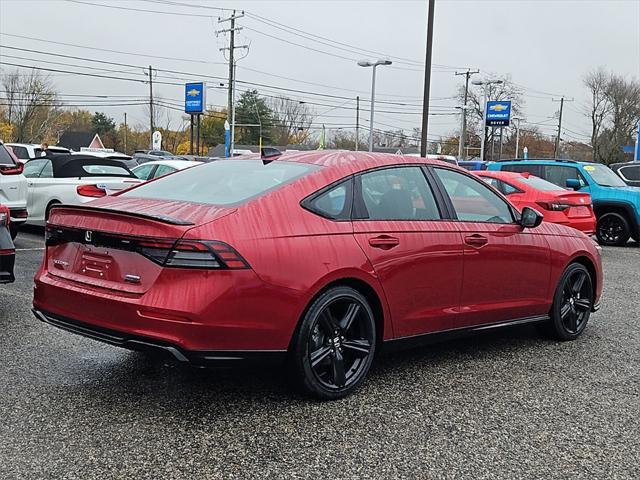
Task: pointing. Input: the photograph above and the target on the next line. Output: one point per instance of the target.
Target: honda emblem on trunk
(87, 236)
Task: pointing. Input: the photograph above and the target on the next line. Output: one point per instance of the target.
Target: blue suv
(616, 205)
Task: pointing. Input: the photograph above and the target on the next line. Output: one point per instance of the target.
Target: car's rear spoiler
(150, 216)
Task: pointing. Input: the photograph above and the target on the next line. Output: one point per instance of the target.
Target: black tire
(13, 230)
(572, 303)
(47, 212)
(334, 345)
(613, 229)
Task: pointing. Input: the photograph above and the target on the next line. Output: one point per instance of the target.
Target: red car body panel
(432, 281)
(579, 216)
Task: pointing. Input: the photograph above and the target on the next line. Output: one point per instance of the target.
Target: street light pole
(517, 119)
(367, 63)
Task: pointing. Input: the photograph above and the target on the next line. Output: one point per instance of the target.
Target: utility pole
(556, 151)
(125, 132)
(357, 120)
(463, 134)
(427, 80)
(151, 126)
(232, 70)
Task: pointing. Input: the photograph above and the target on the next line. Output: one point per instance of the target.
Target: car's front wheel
(572, 303)
(334, 344)
(613, 229)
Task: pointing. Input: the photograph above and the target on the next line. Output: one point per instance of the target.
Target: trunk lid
(579, 203)
(119, 243)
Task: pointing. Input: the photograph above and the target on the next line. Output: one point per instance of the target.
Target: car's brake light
(90, 191)
(556, 207)
(209, 254)
(205, 254)
(11, 169)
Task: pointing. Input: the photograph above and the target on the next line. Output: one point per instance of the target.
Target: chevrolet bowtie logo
(498, 108)
(193, 92)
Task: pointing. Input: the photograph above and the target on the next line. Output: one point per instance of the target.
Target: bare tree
(507, 90)
(597, 82)
(32, 105)
(291, 121)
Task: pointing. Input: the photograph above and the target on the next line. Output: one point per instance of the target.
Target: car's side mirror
(530, 218)
(573, 183)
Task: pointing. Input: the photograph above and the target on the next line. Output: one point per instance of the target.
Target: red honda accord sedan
(318, 259)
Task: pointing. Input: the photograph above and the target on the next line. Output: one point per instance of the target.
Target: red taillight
(205, 254)
(11, 169)
(91, 191)
(552, 206)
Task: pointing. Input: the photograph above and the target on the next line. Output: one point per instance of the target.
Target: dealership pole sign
(498, 113)
(194, 98)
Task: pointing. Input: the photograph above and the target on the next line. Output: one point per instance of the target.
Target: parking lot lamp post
(484, 84)
(367, 63)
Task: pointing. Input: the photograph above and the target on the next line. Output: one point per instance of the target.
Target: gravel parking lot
(505, 404)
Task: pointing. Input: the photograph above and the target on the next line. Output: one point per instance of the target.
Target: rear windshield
(106, 170)
(225, 182)
(5, 156)
(539, 183)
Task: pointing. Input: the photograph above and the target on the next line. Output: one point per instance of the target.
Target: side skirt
(414, 341)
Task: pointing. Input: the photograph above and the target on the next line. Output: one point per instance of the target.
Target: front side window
(559, 174)
(143, 171)
(401, 193)
(224, 182)
(472, 200)
(163, 170)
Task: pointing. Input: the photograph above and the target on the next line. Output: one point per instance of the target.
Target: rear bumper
(146, 344)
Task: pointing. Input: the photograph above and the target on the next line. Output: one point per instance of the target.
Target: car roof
(545, 160)
(179, 164)
(346, 161)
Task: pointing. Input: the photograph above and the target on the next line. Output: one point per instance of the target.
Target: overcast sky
(545, 46)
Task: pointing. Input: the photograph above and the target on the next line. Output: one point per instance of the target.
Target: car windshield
(226, 182)
(538, 183)
(604, 176)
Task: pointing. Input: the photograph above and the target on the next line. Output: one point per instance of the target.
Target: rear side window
(401, 193)
(472, 200)
(225, 182)
(333, 203)
(33, 168)
(143, 171)
(503, 187)
(163, 170)
(21, 152)
(523, 167)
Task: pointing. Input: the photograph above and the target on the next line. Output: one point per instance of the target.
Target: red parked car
(573, 209)
(316, 258)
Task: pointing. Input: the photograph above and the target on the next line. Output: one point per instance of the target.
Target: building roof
(77, 140)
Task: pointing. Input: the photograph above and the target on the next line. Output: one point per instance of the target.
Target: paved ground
(502, 405)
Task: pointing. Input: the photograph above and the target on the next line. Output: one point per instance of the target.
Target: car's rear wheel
(13, 230)
(334, 344)
(613, 229)
(572, 303)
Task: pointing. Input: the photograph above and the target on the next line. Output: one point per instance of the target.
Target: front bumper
(145, 344)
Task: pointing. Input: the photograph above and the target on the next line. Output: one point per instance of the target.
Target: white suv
(13, 188)
(27, 151)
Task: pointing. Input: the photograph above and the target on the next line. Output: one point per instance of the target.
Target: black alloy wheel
(335, 344)
(573, 302)
(613, 229)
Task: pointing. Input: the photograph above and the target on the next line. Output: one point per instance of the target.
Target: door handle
(384, 242)
(476, 240)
